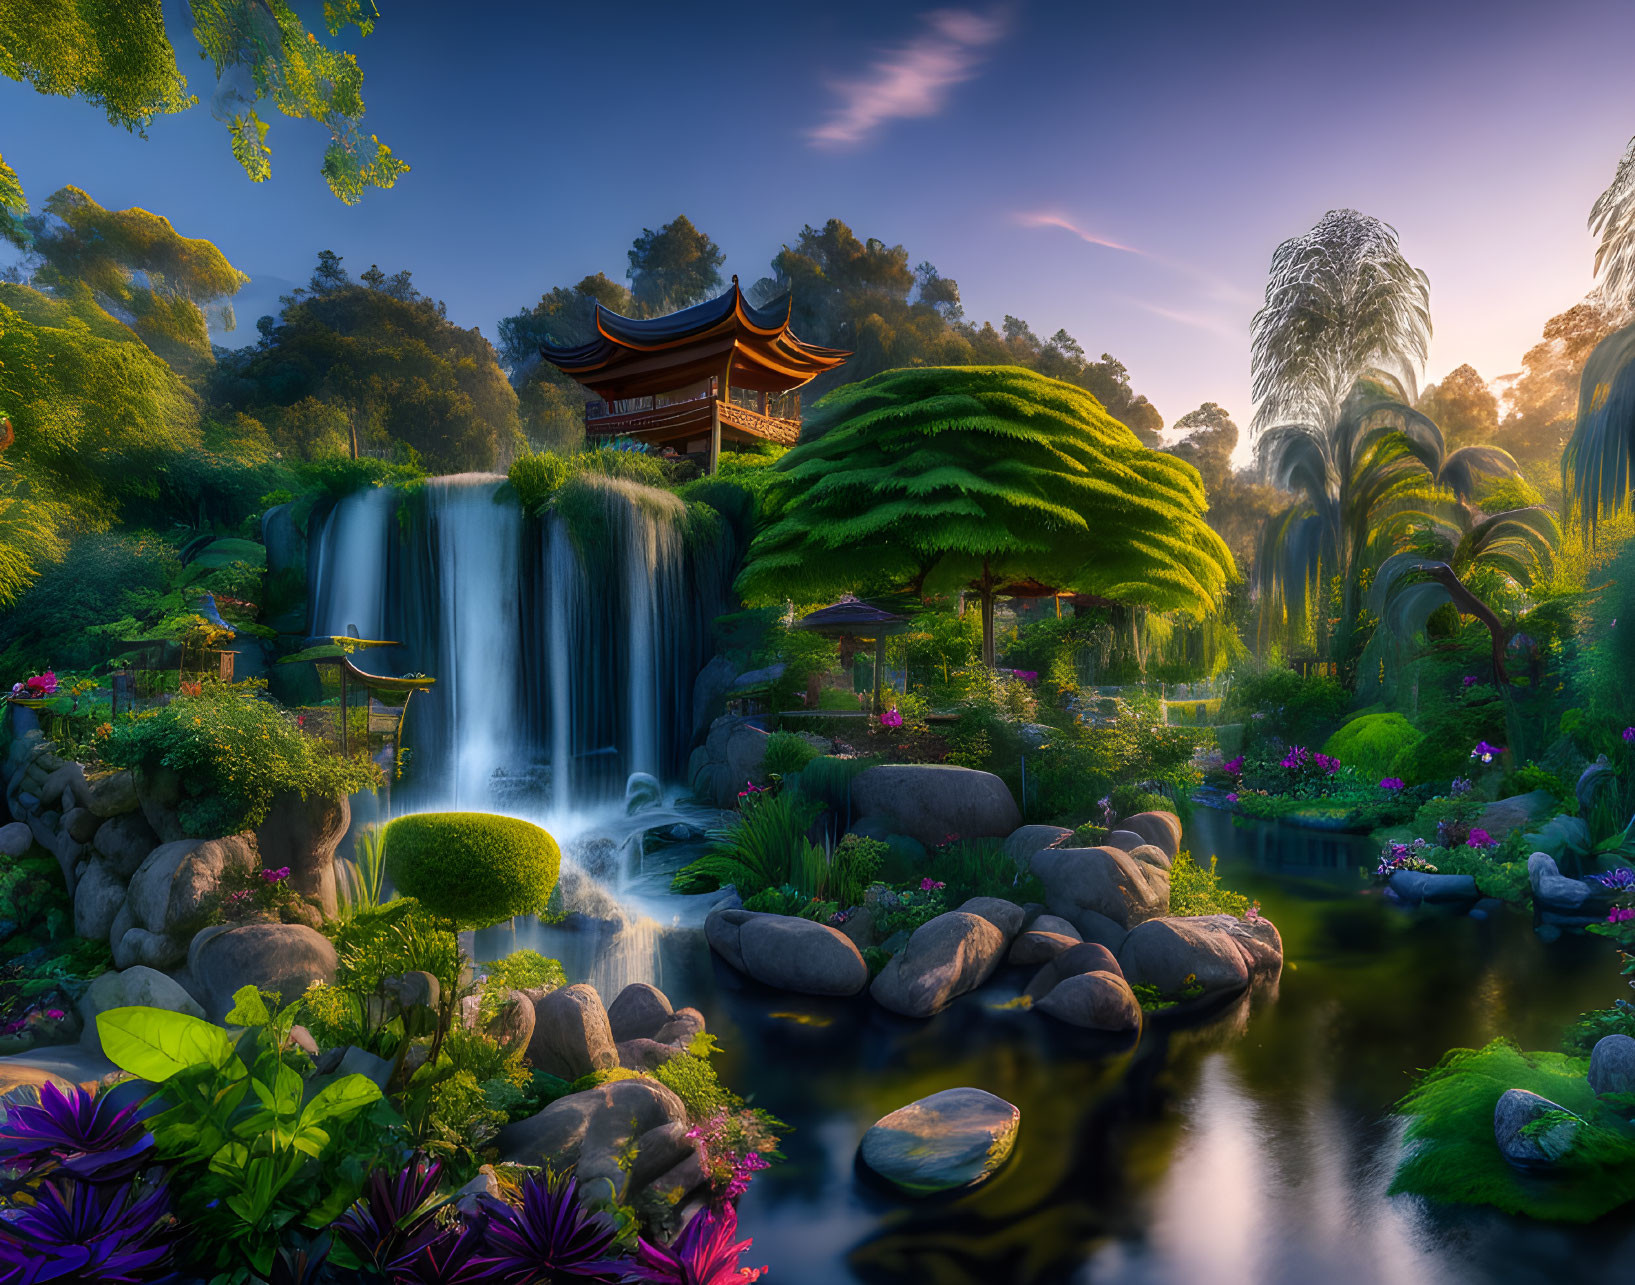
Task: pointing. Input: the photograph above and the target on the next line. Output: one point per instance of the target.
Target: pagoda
(693, 379)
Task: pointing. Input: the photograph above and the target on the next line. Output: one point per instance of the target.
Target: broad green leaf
(154, 1043)
(340, 1100)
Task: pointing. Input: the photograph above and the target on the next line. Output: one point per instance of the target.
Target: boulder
(15, 839)
(658, 1151)
(1413, 887)
(1004, 915)
(952, 1139)
(1161, 829)
(98, 896)
(512, 1027)
(946, 957)
(176, 881)
(1612, 1065)
(124, 843)
(159, 792)
(137, 986)
(645, 1054)
(1106, 881)
(1124, 840)
(1541, 1150)
(1221, 953)
(112, 795)
(1095, 1001)
(1519, 811)
(1023, 843)
(746, 756)
(928, 802)
(1054, 924)
(1551, 888)
(571, 1034)
(286, 958)
(1086, 957)
(710, 689)
(1034, 947)
(599, 1131)
(684, 1025)
(1561, 836)
(303, 833)
(637, 1012)
(787, 953)
(81, 824)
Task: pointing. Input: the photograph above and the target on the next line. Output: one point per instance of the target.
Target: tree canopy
(117, 56)
(976, 477)
(674, 267)
(139, 269)
(379, 360)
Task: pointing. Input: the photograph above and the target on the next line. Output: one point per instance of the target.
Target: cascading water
(564, 646)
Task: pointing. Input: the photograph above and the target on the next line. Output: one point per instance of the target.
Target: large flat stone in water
(951, 1139)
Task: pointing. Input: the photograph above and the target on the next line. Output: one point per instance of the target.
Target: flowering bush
(38, 687)
(892, 719)
(1403, 856)
(1392, 783)
(1480, 838)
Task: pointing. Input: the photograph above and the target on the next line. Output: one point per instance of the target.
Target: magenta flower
(1620, 915)
(1629, 734)
(55, 1014)
(1026, 675)
(929, 884)
(276, 876)
(704, 1254)
(891, 718)
(1233, 767)
(1471, 680)
(1232, 798)
(1485, 752)
(1479, 838)
(1391, 783)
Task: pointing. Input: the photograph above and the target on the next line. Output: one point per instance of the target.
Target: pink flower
(1471, 680)
(1479, 838)
(1620, 915)
(1232, 798)
(891, 718)
(929, 884)
(55, 1014)
(276, 876)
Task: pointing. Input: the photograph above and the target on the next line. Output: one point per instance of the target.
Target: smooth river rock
(944, 958)
(1090, 886)
(1220, 952)
(787, 953)
(1515, 1110)
(572, 1036)
(931, 801)
(1095, 1001)
(602, 1131)
(952, 1139)
(286, 958)
(1612, 1065)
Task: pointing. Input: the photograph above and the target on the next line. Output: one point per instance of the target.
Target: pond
(1256, 1147)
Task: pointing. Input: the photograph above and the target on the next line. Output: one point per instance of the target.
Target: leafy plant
(787, 752)
(91, 1137)
(550, 1235)
(1194, 890)
(472, 868)
(80, 1231)
(704, 1254)
(360, 879)
(521, 970)
(395, 1217)
(761, 847)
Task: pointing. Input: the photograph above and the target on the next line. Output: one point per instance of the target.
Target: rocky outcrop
(1161, 829)
(303, 833)
(953, 1139)
(613, 1134)
(1612, 1065)
(944, 958)
(1103, 891)
(787, 953)
(572, 1036)
(930, 802)
(1220, 953)
(170, 892)
(99, 896)
(733, 753)
(285, 958)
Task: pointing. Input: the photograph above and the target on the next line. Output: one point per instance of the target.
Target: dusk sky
(1121, 171)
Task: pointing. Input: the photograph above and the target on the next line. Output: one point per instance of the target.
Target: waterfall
(564, 646)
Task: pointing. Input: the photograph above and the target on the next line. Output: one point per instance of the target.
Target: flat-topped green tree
(937, 479)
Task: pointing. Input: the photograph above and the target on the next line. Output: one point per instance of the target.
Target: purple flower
(704, 1254)
(87, 1136)
(551, 1236)
(1296, 758)
(1391, 783)
(929, 884)
(1620, 880)
(83, 1232)
(1025, 676)
(1461, 785)
(1328, 763)
(1620, 915)
(276, 876)
(1471, 680)
(1480, 838)
(1485, 752)
(1233, 767)
(891, 718)
(1629, 734)
(1232, 798)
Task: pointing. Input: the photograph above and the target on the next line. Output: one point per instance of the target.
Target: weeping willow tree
(1381, 472)
(977, 478)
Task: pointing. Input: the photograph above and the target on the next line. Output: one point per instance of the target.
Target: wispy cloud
(914, 80)
(1196, 320)
(1043, 219)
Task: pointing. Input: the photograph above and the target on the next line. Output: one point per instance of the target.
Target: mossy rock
(472, 868)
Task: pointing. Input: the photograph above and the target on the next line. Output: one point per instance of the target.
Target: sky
(1121, 171)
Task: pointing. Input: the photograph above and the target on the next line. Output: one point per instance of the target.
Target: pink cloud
(1045, 220)
(913, 81)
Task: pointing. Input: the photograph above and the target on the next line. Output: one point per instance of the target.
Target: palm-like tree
(1378, 473)
(30, 527)
(1341, 303)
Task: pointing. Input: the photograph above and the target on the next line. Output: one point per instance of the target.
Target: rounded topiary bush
(1371, 742)
(472, 868)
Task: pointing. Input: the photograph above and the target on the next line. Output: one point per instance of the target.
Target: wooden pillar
(879, 671)
(715, 435)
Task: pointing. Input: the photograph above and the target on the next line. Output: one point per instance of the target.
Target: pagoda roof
(851, 616)
(635, 357)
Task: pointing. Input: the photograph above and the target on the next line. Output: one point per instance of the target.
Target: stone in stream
(1543, 1149)
(944, 958)
(637, 1012)
(1221, 953)
(1612, 1065)
(1034, 947)
(1094, 1001)
(1105, 882)
(930, 801)
(952, 1139)
(787, 953)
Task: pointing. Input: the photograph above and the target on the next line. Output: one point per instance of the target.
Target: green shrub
(472, 868)
(1450, 1156)
(521, 970)
(787, 753)
(1278, 705)
(1593, 1027)
(762, 847)
(1196, 891)
(692, 1078)
(1371, 742)
(1131, 800)
(1443, 752)
(980, 868)
(234, 753)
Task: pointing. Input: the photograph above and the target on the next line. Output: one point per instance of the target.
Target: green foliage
(472, 868)
(1593, 1027)
(234, 755)
(1371, 742)
(521, 970)
(761, 847)
(360, 879)
(787, 753)
(1595, 465)
(1278, 706)
(539, 478)
(1505, 879)
(255, 1145)
(1194, 890)
(980, 868)
(1451, 1156)
(691, 1077)
(940, 478)
(1449, 734)
(101, 577)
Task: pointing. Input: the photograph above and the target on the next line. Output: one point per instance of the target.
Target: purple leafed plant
(84, 1135)
(78, 1232)
(451, 1258)
(549, 1235)
(395, 1217)
(1620, 880)
(704, 1254)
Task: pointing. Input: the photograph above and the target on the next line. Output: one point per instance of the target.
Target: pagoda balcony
(685, 422)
